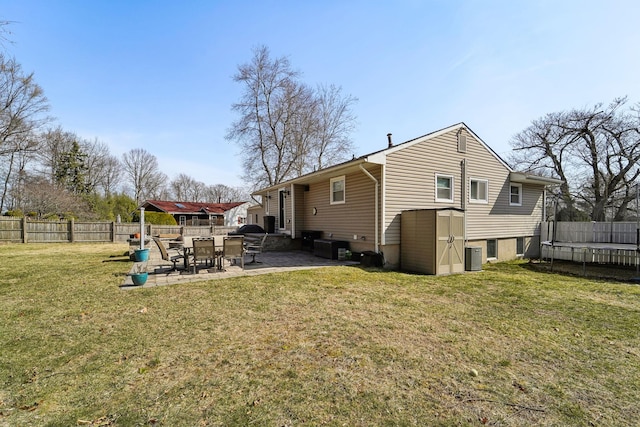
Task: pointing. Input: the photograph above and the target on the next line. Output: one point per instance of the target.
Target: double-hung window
(444, 188)
(337, 190)
(515, 195)
(479, 191)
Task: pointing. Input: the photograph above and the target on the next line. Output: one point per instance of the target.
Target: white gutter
(372, 178)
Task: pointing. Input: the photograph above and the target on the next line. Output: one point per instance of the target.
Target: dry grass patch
(335, 346)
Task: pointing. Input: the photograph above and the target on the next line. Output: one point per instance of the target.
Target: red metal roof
(191, 207)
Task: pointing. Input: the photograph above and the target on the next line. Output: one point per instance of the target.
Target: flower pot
(139, 279)
(136, 235)
(141, 255)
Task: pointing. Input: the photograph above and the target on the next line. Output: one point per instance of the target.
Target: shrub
(157, 218)
(14, 212)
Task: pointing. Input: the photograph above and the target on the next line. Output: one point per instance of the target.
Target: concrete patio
(161, 272)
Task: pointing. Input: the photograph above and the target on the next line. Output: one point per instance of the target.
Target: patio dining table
(187, 250)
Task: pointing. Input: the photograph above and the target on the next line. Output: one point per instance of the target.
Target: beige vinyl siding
(298, 201)
(344, 220)
(410, 184)
(498, 219)
(255, 215)
(410, 179)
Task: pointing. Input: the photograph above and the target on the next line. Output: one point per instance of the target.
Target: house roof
(379, 157)
(192, 208)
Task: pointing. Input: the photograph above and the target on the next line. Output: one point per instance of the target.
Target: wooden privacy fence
(23, 230)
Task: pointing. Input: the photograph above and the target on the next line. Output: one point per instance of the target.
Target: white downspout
(463, 201)
(371, 177)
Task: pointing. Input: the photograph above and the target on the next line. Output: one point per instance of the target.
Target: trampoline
(625, 254)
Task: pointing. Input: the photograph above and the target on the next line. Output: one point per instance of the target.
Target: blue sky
(158, 74)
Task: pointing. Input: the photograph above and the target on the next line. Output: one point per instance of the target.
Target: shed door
(450, 251)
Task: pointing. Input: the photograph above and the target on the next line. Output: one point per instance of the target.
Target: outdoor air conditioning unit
(473, 258)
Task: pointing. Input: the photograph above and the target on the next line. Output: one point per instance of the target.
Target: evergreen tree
(71, 171)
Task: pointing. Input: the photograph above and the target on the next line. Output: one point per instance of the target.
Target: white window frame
(182, 220)
(451, 187)
(486, 191)
(332, 193)
(519, 202)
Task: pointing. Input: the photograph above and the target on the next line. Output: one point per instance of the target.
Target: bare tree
(46, 199)
(103, 169)
(22, 112)
(336, 122)
(180, 187)
(285, 127)
(145, 178)
(111, 176)
(594, 150)
(220, 193)
(54, 143)
(97, 161)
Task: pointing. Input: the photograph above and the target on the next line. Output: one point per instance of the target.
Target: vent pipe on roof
(390, 141)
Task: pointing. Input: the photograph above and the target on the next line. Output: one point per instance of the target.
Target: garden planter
(141, 255)
(139, 279)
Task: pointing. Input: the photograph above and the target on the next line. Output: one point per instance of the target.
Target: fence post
(24, 230)
(71, 230)
(113, 232)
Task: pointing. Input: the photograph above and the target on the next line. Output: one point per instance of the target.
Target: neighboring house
(192, 213)
(361, 200)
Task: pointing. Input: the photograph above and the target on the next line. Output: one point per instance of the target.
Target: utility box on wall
(473, 258)
(432, 241)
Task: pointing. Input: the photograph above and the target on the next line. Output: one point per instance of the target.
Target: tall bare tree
(285, 127)
(145, 177)
(220, 193)
(111, 176)
(336, 122)
(54, 143)
(595, 150)
(46, 199)
(180, 187)
(98, 162)
(22, 112)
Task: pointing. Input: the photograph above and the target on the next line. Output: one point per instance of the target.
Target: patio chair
(255, 249)
(203, 250)
(233, 248)
(172, 255)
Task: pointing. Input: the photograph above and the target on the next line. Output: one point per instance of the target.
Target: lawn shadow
(607, 272)
(118, 258)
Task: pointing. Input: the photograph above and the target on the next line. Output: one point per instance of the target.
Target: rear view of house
(362, 201)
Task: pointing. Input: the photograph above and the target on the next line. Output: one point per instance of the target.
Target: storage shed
(432, 241)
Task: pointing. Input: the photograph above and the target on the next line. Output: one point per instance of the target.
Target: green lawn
(508, 346)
